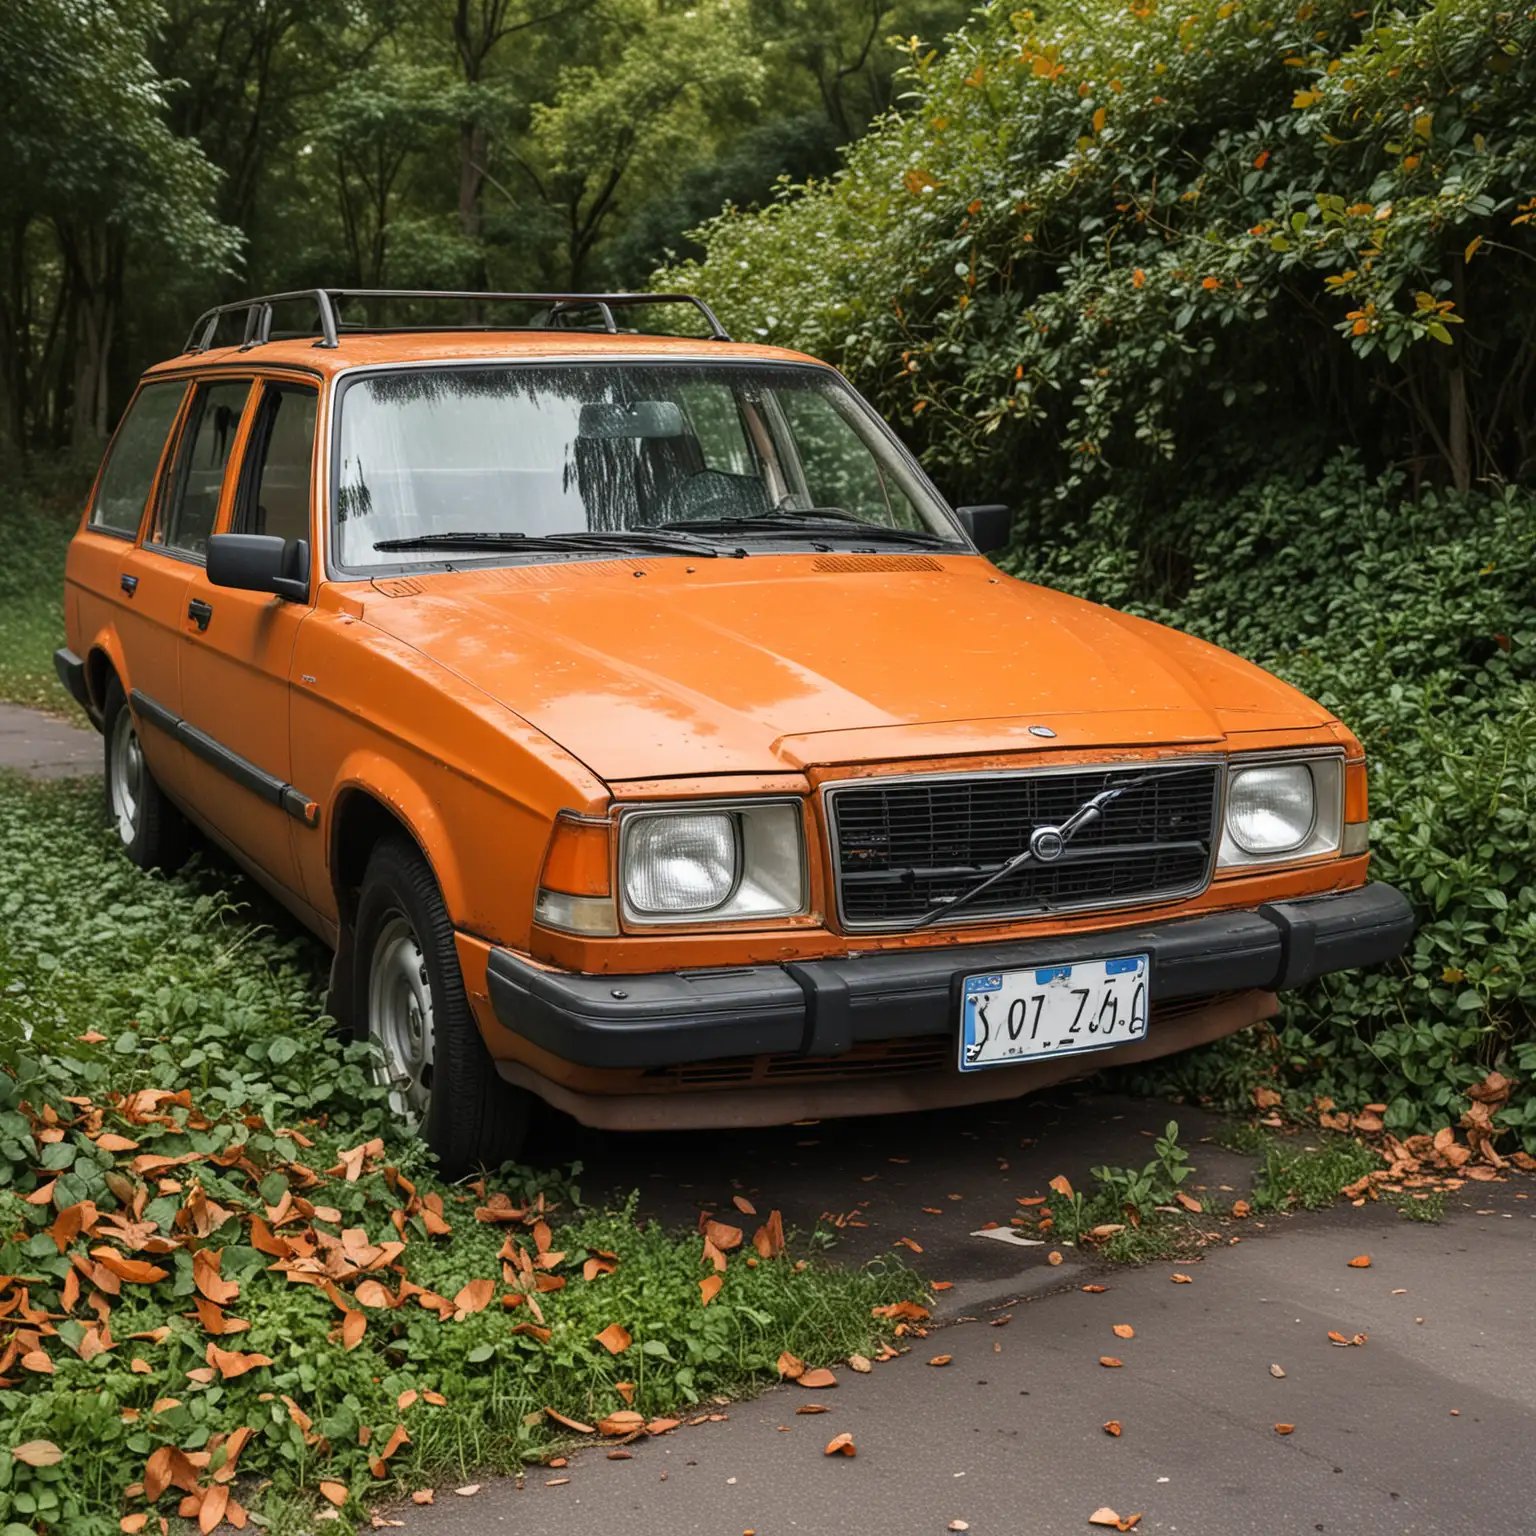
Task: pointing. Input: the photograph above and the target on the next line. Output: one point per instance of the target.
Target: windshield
(784, 454)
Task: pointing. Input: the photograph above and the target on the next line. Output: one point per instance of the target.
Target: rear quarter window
(129, 474)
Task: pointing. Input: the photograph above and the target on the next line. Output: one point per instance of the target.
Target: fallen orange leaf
(624, 1422)
(335, 1492)
(1113, 1428)
(744, 1205)
(1363, 1262)
(1062, 1186)
(722, 1235)
(1053, 1257)
(709, 1288)
(813, 1408)
(1182, 1280)
(1284, 1429)
(1110, 1361)
(473, 1297)
(1124, 1331)
(1094, 1290)
(1189, 1202)
(576, 1424)
(1241, 1208)
(817, 1379)
(614, 1339)
(840, 1445)
(38, 1453)
(941, 1360)
(791, 1366)
(422, 1496)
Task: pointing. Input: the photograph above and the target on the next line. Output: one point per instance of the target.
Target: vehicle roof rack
(556, 310)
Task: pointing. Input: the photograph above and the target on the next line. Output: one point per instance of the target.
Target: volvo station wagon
(649, 738)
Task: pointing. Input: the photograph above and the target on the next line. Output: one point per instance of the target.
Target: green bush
(1147, 242)
(1416, 622)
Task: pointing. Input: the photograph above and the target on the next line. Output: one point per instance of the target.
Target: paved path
(1008, 1436)
(46, 747)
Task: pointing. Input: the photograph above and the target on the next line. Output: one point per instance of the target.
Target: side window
(839, 470)
(279, 459)
(134, 457)
(207, 440)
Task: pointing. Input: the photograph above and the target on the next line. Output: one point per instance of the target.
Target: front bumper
(826, 1007)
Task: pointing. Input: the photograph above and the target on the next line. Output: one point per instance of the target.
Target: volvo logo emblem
(1047, 844)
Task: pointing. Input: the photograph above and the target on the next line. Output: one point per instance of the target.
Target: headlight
(1283, 810)
(741, 861)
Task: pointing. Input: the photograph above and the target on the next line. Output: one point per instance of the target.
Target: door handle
(129, 584)
(200, 612)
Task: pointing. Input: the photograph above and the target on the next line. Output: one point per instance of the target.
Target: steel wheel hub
(400, 1020)
(127, 776)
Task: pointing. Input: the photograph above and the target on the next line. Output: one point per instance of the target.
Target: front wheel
(153, 832)
(409, 1003)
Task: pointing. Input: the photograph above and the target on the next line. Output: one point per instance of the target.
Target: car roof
(369, 349)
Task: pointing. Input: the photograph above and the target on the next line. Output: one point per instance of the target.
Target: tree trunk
(474, 145)
(1457, 435)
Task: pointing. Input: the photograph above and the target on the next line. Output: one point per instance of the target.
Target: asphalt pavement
(44, 747)
(1424, 1429)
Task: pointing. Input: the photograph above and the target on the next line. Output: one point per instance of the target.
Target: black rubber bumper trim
(242, 770)
(825, 1007)
(71, 672)
(1339, 933)
(649, 1021)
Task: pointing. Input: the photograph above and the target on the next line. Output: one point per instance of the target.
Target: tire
(408, 999)
(154, 834)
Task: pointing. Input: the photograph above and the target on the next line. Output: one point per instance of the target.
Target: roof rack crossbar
(555, 307)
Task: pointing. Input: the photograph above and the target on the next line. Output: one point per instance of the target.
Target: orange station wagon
(648, 737)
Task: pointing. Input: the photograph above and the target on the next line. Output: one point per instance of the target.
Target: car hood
(658, 668)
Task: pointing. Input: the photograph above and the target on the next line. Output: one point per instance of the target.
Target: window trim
(257, 439)
(334, 570)
(172, 435)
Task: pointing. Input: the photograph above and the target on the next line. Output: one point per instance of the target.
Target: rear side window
(134, 457)
(279, 460)
(202, 457)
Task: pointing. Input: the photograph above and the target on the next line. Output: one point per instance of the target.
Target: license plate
(1054, 1010)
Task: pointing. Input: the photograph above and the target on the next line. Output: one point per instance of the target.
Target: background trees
(1140, 241)
(162, 155)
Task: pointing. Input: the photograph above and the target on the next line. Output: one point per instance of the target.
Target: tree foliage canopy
(163, 155)
(1147, 240)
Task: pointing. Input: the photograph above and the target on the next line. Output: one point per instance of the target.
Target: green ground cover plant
(201, 1207)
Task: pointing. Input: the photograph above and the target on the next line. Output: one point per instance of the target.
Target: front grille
(903, 849)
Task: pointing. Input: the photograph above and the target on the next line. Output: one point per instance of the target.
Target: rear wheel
(409, 1003)
(154, 834)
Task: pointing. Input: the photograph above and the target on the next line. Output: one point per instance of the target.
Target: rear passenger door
(238, 649)
(103, 578)
(174, 546)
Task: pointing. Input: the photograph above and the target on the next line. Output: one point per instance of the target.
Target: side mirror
(989, 528)
(260, 562)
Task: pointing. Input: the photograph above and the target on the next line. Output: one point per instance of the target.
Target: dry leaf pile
(240, 1303)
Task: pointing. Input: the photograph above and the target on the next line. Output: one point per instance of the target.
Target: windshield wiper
(676, 543)
(825, 522)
